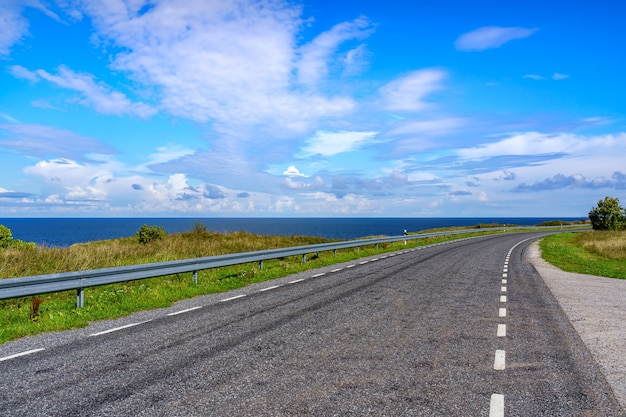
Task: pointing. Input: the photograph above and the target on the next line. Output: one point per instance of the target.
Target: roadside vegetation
(601, 252)
(50, 312)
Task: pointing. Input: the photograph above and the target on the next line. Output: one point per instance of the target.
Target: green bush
(6, 237)
(147, 234)
(608, 215)
(7, 241)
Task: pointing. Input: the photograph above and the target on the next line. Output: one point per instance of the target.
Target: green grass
(593, 253)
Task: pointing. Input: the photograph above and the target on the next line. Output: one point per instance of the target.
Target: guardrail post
(261, 265)
(376, 246)
(304, 257)
(194, 277)
(335, 252)
(80, 297)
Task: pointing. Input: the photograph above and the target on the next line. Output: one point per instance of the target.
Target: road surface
(466, 328)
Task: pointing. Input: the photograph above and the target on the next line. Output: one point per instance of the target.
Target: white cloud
(224, 61)
(535, 143)
(292, 171)
(556, 76)
(407, 93)
(489, 37)
(13, 26)
(332, 143)
(427, 127)
(43, 141)
(355, 60)
(527, 143)
(19, 71)
(535, 77)
(99, 96)
(315, 56)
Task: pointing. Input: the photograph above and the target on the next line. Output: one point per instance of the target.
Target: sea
(63, 232)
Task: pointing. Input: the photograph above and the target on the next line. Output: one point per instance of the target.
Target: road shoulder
(596, 307)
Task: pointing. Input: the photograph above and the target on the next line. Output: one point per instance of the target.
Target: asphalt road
(461, 329)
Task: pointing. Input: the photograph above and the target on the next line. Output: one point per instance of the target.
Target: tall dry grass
(128, 251)
(608, 244)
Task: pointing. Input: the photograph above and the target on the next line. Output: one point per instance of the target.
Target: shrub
(147, 234)
(608, 215)
(6, 237)
(199, 227)
(7, 241)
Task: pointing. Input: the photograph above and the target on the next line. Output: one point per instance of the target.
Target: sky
(312, 108)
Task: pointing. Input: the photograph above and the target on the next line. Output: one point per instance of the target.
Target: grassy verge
(594, 253)
(25, 316)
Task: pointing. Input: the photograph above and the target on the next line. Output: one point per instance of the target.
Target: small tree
(147, 234)
(608, 215)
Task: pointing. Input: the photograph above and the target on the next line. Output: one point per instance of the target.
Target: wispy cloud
(408, 92)
(559, 181)
(97, 95)
(332, 143)
(316, 55)
(490, 37)
(14, 27)
(556, 77)
(44, 141)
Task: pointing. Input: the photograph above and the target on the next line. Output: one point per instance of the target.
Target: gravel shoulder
(596, 307)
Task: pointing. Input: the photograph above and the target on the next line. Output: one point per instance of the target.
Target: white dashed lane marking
(499, 360)
(273, 287)
(17, 355)
(496, 408)
(502, 312)
(232, 298)
(118, 328)
(184, 311)
(501, 330)
(503, 298)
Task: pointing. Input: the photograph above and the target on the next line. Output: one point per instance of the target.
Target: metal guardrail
(41, 284)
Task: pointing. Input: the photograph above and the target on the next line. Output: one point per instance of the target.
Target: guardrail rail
(48, 283)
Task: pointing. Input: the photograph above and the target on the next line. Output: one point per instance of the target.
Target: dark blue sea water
(65, 232)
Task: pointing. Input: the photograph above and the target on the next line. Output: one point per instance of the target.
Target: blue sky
(312, 108)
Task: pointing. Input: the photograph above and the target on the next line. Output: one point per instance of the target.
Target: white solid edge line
(184, 311)
(496, 407)
(501, 330)
(273, 287)
(233, 298)
(17, 355)
(502, 312)
(119, 328)
(499, 360)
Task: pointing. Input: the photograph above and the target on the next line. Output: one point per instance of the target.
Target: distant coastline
(68, 231)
